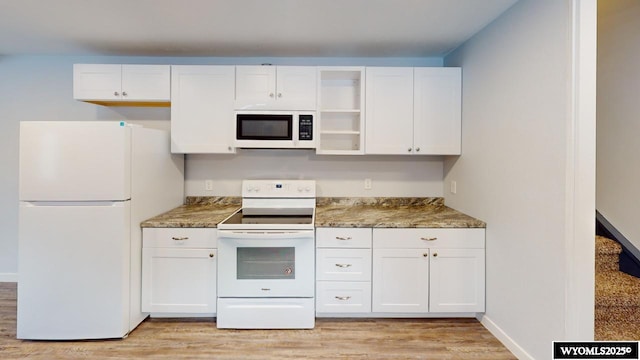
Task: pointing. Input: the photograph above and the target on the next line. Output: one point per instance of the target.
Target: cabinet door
(437, 111)
(389, 109)
(97, 82)
(456, 280)
(400, 280)
(255, 87)
(202, 116)
(179, 280)
(146, 82)
(296, 88)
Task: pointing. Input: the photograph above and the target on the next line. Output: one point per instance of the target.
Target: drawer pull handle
(180, 238)
(211, 255)
(343, 237)
(265, 289)
(428, 238)
(343, 298)
(343, 265)
(435, 254)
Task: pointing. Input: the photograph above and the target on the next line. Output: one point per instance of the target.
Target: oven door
(266, 263)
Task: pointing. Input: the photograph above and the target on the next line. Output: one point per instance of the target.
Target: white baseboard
(9, 277)
(507, 341)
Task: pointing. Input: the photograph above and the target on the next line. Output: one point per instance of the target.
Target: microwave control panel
(305, 127)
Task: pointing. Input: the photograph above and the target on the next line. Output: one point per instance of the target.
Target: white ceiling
(278, 28)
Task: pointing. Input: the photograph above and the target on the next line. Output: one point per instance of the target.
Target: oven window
(264, 127)
(266, 263)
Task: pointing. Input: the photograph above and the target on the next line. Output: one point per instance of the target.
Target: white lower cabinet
(456, 280)
(343, 271)
(428, 271)
(400, 280)
(179, 271)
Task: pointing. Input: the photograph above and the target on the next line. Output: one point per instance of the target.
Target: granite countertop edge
(338, 212)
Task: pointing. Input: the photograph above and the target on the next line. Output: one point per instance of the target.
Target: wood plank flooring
(331, 339)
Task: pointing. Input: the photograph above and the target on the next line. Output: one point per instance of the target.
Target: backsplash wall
(336, 175)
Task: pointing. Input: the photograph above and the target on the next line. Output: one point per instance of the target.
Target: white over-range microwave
(275, 129)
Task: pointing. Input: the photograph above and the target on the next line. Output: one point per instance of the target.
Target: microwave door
(265, 130)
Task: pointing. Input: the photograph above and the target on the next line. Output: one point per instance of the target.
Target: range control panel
(279, 188)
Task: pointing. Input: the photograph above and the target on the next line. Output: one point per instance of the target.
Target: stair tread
(607, 246)
(616, 331)
(615, 288)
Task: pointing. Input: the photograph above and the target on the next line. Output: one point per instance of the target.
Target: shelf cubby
(341, 114)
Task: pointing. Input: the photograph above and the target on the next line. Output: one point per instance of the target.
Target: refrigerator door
(75, 161)
(73, 271)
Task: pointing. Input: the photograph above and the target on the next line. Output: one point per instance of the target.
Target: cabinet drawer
(179, 237)
(343, 264)
(343, 237)
(343, 297)
(422, 238)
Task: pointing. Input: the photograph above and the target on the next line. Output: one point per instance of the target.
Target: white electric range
(266, 257)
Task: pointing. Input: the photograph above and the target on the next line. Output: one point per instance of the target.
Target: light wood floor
(199, 339)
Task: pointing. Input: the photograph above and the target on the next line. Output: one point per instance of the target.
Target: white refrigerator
(84, 189)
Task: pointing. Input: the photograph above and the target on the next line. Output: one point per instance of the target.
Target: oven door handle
(265, 235)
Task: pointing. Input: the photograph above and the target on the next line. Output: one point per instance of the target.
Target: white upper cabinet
(413, 111)
(275, 88)
(389, 108)
(202, 115)
(437, 110)
(115, 83)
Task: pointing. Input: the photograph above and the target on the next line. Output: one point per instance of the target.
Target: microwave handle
(265, 234)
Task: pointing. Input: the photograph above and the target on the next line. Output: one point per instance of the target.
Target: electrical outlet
(454, 187)
(208, 185)
(367, 184)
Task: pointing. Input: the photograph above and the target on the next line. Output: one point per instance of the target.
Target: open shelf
(341, 118)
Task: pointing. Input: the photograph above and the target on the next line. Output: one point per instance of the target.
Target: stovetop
(248, 217)
(274, 205)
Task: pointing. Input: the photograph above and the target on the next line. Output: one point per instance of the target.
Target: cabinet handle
(343, 265)
(417, 149)
(265, 289)
(270, 95)
(425, 254)
(343, 298)
(124, 93)
(409, 149)
(343, 237)
(435, 254)
(211, 255)
(429, 238)
(115, 93)
(180, 238)
(229, 148)
(279, 95)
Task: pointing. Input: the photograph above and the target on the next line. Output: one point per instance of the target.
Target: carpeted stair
(617, 301)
